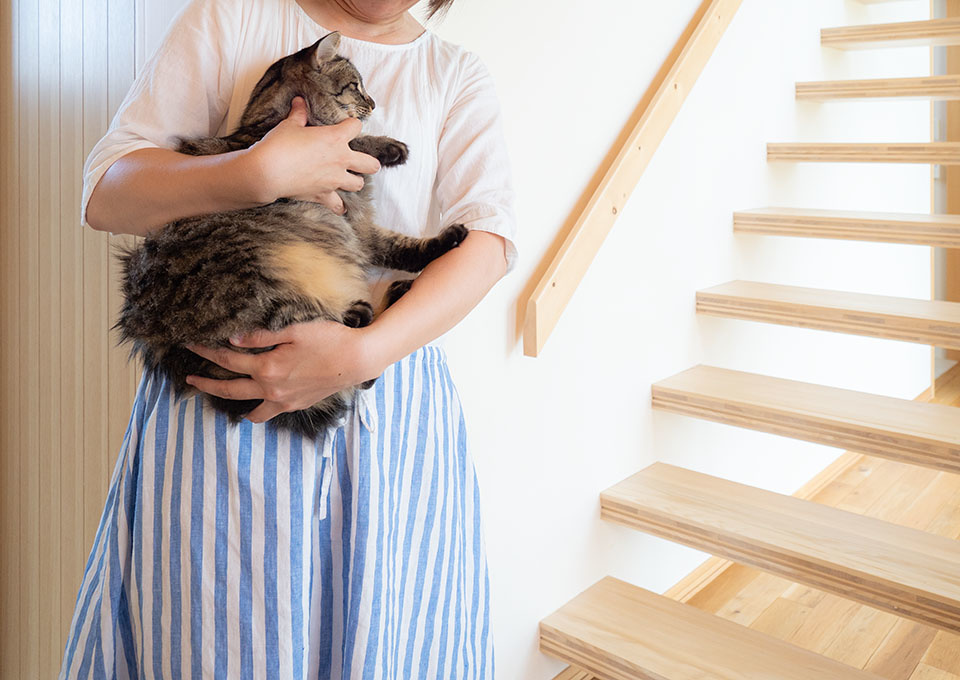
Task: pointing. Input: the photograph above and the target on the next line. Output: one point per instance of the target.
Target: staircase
(908, 572)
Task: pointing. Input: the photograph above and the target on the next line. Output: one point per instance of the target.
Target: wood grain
(943, 153)
(929, 322)
(572, 673)
(65, 390)
(620, 632)
(932, 32)
(49, 601)
(863, 485)
(927, 87)
(945, 180)
(29, 328)
(73, 547)
(11, 628)
(557, 285)
(904, 571)
(918, 433)
(917, 229)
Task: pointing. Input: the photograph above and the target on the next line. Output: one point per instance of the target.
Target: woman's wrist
(373, 355)
(254, 177)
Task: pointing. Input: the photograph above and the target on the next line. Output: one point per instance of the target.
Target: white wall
(549, 434)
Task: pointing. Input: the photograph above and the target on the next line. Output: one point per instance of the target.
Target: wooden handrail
(673, 82)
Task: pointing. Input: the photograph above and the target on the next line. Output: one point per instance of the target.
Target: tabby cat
(201, 280)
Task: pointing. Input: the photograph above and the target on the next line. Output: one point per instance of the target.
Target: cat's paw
(359, 315)
(397, 290)
(393, 153)
(453, 236)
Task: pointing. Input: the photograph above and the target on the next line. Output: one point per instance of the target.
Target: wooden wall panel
(49, 224)
(952, 175)
(73, 547)
(9, 353)
(28, 31)
(65, 388)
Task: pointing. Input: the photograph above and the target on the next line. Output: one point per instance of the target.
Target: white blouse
(436, 97)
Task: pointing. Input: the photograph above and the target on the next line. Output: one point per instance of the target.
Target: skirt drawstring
(366, 407)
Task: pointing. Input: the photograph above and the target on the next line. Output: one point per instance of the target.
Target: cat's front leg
(387, 150)
(408, 253)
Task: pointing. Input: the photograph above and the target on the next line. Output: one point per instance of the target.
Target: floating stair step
(945, 153)
(931, 32)
(901, 570)
(573, 673)
(930, 322)
(617, 631)
(931, 87)
(907, 431)
(926, 230)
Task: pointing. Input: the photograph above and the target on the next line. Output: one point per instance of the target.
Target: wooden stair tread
(918, 229)
(887, 566)
(930, 32)
(617, 631)
(927, 87)
(931, 322)
(946, 153)
(908, 431)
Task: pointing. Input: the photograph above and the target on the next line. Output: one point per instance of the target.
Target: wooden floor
(843, 630)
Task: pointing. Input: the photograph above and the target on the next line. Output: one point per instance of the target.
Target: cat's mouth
(359, 112)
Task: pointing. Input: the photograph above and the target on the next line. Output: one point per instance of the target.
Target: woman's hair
(438, 7)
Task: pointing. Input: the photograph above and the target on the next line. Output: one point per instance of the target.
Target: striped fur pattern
(201, 280)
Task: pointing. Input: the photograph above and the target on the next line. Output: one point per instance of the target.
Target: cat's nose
(370, 103)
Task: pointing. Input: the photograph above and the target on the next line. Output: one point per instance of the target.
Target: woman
(240, 551)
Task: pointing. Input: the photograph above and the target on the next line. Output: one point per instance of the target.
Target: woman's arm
(314, 360)
(148, 188)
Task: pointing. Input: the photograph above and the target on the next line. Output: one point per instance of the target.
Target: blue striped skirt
(237, 551)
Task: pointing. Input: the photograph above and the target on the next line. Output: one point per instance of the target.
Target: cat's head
(330, 85)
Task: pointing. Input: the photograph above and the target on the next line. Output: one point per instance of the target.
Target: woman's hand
(311, 361)
(315, 359)
(310, 163)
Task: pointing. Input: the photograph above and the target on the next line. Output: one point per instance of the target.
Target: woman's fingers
(226, 358)
(333, 201)
(264, 412)
(362, 163)
(348, 128)
(298, 112)
(356, 161)
(351, 182)
(239, 388)
(263, 338)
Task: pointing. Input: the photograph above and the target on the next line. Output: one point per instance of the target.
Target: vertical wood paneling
(72, 545)
(49, 339)
(65, 391)
(10, 628)
(29, 37)
(96, 320)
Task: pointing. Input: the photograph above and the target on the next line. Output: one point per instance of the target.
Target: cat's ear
(325, 49)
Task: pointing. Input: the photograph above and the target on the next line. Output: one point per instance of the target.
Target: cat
(202, 280)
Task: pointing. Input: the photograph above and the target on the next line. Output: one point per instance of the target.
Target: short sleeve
(183, 90)
(474, 182)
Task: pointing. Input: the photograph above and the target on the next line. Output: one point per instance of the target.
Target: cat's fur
(203, 280)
